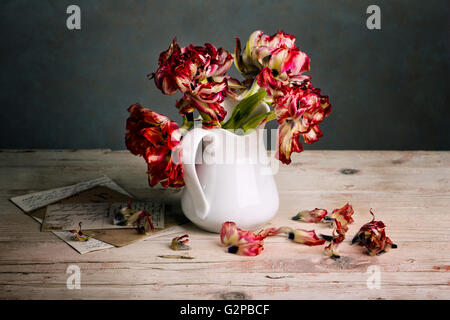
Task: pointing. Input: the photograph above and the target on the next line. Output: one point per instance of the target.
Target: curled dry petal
(331, 250)
(372, 235)
(309, 238)
(229, 234)
(247, 249)
(239, 241)
(144, 223)
(179, 243)
(342, 218)
(79, 235)
(313, 216)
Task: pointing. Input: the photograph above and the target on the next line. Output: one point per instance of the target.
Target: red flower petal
(313, 216)
(372, 235)
(154, 137)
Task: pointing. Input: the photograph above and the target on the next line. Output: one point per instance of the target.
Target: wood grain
(409, 191)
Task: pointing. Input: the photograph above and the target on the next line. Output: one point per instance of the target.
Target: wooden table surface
(408, 190)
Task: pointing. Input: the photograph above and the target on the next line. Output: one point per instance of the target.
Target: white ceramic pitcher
(227, 177)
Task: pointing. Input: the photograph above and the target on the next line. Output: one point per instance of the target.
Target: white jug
(228, 177)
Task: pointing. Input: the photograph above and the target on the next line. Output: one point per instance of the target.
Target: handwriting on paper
(33, 201)
(67, 216)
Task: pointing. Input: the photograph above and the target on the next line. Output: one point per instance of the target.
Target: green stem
(244, 108)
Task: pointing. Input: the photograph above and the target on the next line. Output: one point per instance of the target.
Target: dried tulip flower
(344, 217)
(239, 241)
(121, 217)
(372, 235)
(199, 72)
(247, 249)
(179, 243)
(313, 216)
(306, 237)
(277, 52)
(143, 221)
(230, 234)
(80, 236)
(331, 250)
(340, 218)
(248, 243)
(299, 110)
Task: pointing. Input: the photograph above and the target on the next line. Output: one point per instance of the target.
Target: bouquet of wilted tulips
(272, 68)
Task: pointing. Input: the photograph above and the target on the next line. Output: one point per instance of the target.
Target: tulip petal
(156, 138)
(313, 216)
(373, 237)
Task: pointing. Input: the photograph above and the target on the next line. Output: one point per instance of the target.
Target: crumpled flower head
(372, 235)
(199, 73)
(156, 138)
(277, 52)
(79, 235)
(299, 111)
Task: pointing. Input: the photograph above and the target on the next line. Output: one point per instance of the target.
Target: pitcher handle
(190, 144)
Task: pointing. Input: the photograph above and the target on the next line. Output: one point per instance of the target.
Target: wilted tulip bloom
(277, 52)
(298, 113)
(154, 137)
(199, 73)
(373, 236)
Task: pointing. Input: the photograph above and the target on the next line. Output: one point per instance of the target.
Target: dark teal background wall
(70, 89)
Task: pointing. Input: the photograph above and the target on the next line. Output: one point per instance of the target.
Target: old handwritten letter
(33, 201)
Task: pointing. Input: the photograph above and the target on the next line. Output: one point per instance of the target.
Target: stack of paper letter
(94, 203)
